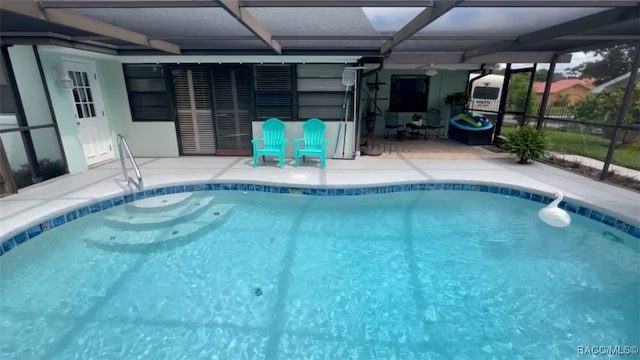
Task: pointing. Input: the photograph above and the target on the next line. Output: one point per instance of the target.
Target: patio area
(432, 148)
(40, 202)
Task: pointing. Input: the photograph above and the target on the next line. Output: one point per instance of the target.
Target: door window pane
(82, 95)
(76, 95)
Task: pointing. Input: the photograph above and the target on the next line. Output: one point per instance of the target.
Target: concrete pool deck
(39, 202)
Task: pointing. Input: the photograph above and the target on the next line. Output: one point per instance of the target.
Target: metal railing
(124, 150)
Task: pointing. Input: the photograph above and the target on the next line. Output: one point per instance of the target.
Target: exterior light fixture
(62, 79)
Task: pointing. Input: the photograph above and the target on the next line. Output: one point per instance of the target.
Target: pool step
(149, 215)
(178, 234)
(164, 202)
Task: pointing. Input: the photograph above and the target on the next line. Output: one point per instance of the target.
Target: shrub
(527, 143)
(48, 169)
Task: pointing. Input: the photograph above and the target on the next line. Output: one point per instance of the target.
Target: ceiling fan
(431, 71)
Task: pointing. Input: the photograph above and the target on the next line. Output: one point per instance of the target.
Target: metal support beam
(54, 41)
(503, 103)
(576, 26)
(525, 110)
(550, 3)
(623, 111)
(547, 91)
(250, 22)
(43, 35)
(424, 18)
(62, 17)
(381, 37)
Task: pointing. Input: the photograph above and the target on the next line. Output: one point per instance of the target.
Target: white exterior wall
(294, 130)
(152, 139)
(146, 139)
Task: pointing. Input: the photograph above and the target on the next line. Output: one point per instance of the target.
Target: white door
(93, 127)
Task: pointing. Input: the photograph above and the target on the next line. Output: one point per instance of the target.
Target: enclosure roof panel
(455, 31)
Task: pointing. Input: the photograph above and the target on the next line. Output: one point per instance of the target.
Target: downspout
(356, 118)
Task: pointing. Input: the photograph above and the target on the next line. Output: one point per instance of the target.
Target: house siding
(574, 94)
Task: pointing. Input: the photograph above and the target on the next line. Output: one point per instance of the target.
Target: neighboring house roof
(563, 84)
(617, 83)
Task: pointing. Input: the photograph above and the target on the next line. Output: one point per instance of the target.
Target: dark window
(408, 93)
(148, 96)
(273, 89)
(490, 93)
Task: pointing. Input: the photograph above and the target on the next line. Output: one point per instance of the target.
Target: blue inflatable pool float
(470, 122)
(470, 129)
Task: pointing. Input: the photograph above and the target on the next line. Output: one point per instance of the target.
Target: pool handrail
(125, 151)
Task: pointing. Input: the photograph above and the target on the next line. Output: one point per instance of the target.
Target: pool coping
(64, 216)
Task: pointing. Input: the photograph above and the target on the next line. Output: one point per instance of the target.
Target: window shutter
(273, 86)
(231, 97)
(192, 92)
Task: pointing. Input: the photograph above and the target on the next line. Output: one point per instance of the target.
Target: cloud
(476, 21)
(390, 19)
(577, 58)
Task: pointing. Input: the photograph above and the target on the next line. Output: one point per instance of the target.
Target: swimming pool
(437, 274)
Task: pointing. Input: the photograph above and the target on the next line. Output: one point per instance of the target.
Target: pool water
(419, 275)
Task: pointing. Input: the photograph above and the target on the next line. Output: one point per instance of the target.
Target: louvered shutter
(273, 85)
(231, 105)
(192, 94)
(147, 92)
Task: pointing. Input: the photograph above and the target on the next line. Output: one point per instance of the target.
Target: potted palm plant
(527, 143)
(457, 101)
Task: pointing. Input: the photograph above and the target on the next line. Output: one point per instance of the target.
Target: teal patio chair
(315, 144)
(273, 139)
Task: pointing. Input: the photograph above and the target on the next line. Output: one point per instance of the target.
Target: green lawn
(593, 146)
